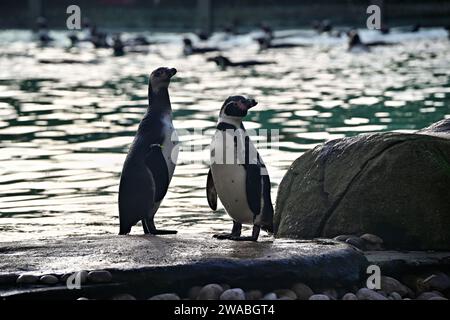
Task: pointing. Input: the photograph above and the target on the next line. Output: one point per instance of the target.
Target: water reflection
(65, 128)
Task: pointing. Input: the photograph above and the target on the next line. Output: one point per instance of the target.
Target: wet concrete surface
(129, 252)
(181, 261)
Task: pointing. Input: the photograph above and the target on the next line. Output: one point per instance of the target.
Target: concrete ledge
(152, 264)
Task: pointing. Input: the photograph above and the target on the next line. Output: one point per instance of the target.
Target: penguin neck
(159, 102)
(235, 121)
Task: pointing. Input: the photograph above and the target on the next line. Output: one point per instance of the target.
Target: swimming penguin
(267, 43)
(223, 62)
(237, 173)
(189, 48)
(356, 45)
(151, 160)
(42, 31)
(118, 46)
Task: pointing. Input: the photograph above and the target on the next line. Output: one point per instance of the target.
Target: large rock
(394, 185)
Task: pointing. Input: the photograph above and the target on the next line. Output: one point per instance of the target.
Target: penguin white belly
(230, 183)
(170, 145)
(169, 150)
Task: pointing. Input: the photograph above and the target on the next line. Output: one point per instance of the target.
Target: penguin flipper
(155, 162)
(267, 209)
(258, 195)
(211, 193)
(253, 188)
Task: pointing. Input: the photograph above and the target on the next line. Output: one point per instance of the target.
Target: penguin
(223, 62)
(267, 43)
(118, 46)
(355, 43)
(151, 160)
(189, 48)
(42, 31)
(237, 174)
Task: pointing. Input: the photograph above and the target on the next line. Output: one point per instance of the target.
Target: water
(65, 128)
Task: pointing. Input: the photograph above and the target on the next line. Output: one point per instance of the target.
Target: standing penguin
(237, 174)
(151, 160)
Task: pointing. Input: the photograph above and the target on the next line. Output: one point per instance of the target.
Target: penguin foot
(223, 236)
(251, 238)
(160, 232)
(235, 235)
(226, 236)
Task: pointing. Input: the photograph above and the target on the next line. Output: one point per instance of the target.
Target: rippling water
(65, 128)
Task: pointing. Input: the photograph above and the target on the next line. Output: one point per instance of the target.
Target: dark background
(177, 15)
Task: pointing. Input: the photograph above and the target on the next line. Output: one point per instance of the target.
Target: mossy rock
(394, 185)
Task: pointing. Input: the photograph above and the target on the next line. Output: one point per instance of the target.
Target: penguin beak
(172, 72)
(251, 103)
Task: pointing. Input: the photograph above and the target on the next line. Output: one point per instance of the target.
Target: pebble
(210, 292)
(438, 298)
(319, 297)
(428, 295)
(349, 296)
(253, 295)
(302, 291)
(356, 242)
(395, 296)
(27, 279)
(8, 278)
(270, 296)
(123, 296)
(100, 276)
(371, 238)
(439, 281)
(233, 294)
(193, 292)
(285, 298)
(165, 296)
(49, 279)
(286, 293)
(367, 294)
(390, 285)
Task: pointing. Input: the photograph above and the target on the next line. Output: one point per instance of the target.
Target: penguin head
(236, 107)
(160, 78)
(221, 61)
(353, 38)
(187, 42)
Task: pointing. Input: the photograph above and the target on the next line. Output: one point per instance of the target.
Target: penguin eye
(157, 73)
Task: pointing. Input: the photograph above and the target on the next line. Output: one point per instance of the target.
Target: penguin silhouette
(151, 160)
